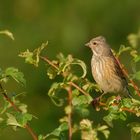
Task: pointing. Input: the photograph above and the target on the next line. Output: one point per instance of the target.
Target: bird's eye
(94, 43)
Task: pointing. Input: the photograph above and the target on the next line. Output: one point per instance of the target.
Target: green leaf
(87, 132)
(18, 119)
(127, 102)
(86, 124)
(109, 118)
(135, 130)
(80, 63)
(82, 110)
(66, 62)
(104, 129)
(82, 99)
(7, 33)
(6, 105)
(123, 49)
(133, 40)
(32, 57)
(23, 108)
(53, 91)
(12, 120)
(57, 132)
(136, 75)
(23, 118)
(28, 57)
(15, 74)
(123, 116)
(136, 59)
(51, 72)
(40, 137)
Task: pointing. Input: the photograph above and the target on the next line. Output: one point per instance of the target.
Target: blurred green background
(67, 25)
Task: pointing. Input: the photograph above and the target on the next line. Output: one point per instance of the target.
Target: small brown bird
(105, 68)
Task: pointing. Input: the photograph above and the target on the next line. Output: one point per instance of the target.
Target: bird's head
(99, 46)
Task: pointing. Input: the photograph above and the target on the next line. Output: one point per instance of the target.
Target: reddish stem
(18, 110)
(127, 75)
(70, 113)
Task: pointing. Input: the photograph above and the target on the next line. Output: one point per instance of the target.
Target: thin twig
(128, 110)
(70, 112)
(31, 132)
(127, 75)
(123, 108)
(77, 87)
(49, 62)
(71, 83)
(3, 92)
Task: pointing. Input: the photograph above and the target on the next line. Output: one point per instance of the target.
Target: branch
(77, 87)
(127, 75)
(49, 62)
(56, 67)
(70, 112)
(18, 110)
(123, 108)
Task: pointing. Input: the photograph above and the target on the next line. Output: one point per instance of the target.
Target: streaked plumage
(105, 68)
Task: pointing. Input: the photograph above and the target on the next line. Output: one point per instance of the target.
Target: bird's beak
(87, 44)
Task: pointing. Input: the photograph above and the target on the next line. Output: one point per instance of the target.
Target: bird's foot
(118, 98)
(95, 103)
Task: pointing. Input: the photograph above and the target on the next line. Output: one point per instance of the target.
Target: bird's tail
(128, 93)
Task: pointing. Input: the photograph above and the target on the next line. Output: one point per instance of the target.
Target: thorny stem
(3, 92)
(127, 75)
(70, 112)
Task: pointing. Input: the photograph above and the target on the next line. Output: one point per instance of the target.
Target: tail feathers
(128, 93)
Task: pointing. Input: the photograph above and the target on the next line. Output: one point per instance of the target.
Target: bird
(105, 68)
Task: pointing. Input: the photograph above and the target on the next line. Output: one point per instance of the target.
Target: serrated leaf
(29, 57)
(66, 62)
(51, 72)
(106, 133)
(80, 63)
(135, 130)
(109, 118)
(103, 127)
(104, 130)
(123, 116)
(57, 132)
(82, 99)
(53, 91)
(86, 124)
(82, 110)
(127, 102)
(12, 120)
(15, 74)
(32, 57)
(23, 118)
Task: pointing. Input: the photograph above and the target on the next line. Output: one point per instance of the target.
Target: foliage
(72, 92)
(78, 98)
(12, 111)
